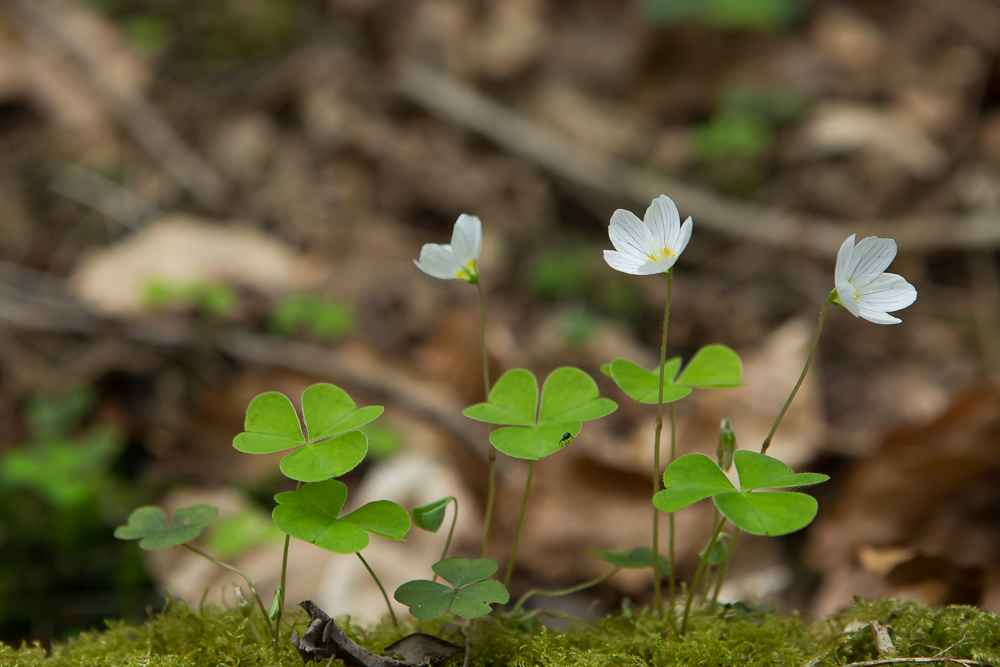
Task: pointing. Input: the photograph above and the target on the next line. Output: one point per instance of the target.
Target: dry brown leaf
(840, 128)
(183, 249)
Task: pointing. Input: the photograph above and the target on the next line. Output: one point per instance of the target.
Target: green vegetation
(757, 15)
(211, 636)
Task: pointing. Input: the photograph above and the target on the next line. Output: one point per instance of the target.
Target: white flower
(863, 287)
(648, 246)
(459, 259)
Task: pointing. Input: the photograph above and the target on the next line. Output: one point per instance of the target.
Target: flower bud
(727, 445)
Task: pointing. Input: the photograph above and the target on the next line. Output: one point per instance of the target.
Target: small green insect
(566, 439)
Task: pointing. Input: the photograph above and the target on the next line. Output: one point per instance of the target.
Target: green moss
(181, 637)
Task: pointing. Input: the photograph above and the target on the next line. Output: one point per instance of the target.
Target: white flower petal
(622, 262)
(847, 294)
(438, 260)
(683, 237)
(888, 292)
(878, 317)
(664, 222)
(630, 236)
(662, 266)
(871, 257)
(844, 259)
(467, 239)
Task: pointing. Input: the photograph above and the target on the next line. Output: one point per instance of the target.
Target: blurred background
(202, 201)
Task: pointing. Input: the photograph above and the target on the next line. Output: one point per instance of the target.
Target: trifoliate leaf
(713, 367)
(513, 401)
(474, 600)
(426, 599)
(759, 471)
(642, 386)
(149, 525)
(768, 513)
(570, 394)
(461, 571)
(688, 479)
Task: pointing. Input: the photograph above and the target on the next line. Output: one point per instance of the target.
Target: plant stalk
(795, 389)
(281, 589)
(253, 589)
(671, 582)
(451, 533)
(563, 591)
(378, 583)
(520, 525)
(697, 576)
(657, 593)
(725, 566)
(491, 489)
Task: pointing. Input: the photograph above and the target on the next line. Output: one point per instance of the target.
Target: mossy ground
(210, 637)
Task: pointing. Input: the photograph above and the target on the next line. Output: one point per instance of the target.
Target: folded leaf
(513, 401)
(713, 367)
(759, 471)
(688, 479)
(642, 386)
(323, 460)
(461, 571)
(768, 513)
(533, 443)
(474, 600)
(569, 394)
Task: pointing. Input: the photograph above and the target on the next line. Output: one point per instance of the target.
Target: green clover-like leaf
(569, 397)
(636, 559)
(325, 460)
(328, 410)
(426, 599)
(271, 425)
(758, 471)
(461, 571)
(148, 524)
(688, 479)
(642, 386)
(332, 448)
(713, 367)
(474, 600)
(470, 594)
(693, 477)
(311, 515)
(769, 512)
(570, 394)
(533, 443)
(429, 517)
(513, 401)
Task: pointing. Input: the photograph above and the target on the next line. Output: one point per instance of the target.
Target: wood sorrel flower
(648, 246)
(458, 260)
(863, 287)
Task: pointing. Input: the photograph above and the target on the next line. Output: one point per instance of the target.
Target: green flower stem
(253, 589)
(697, 576)
(725, 566)
(378, 583)
(563, 591)
(671, 583)
(520, 525)
(491, 489)
(657, 594)
(795, 389)
(281, 589)
(451, 533)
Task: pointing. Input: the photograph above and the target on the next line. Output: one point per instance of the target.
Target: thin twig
(920, 661)
(518, 135)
